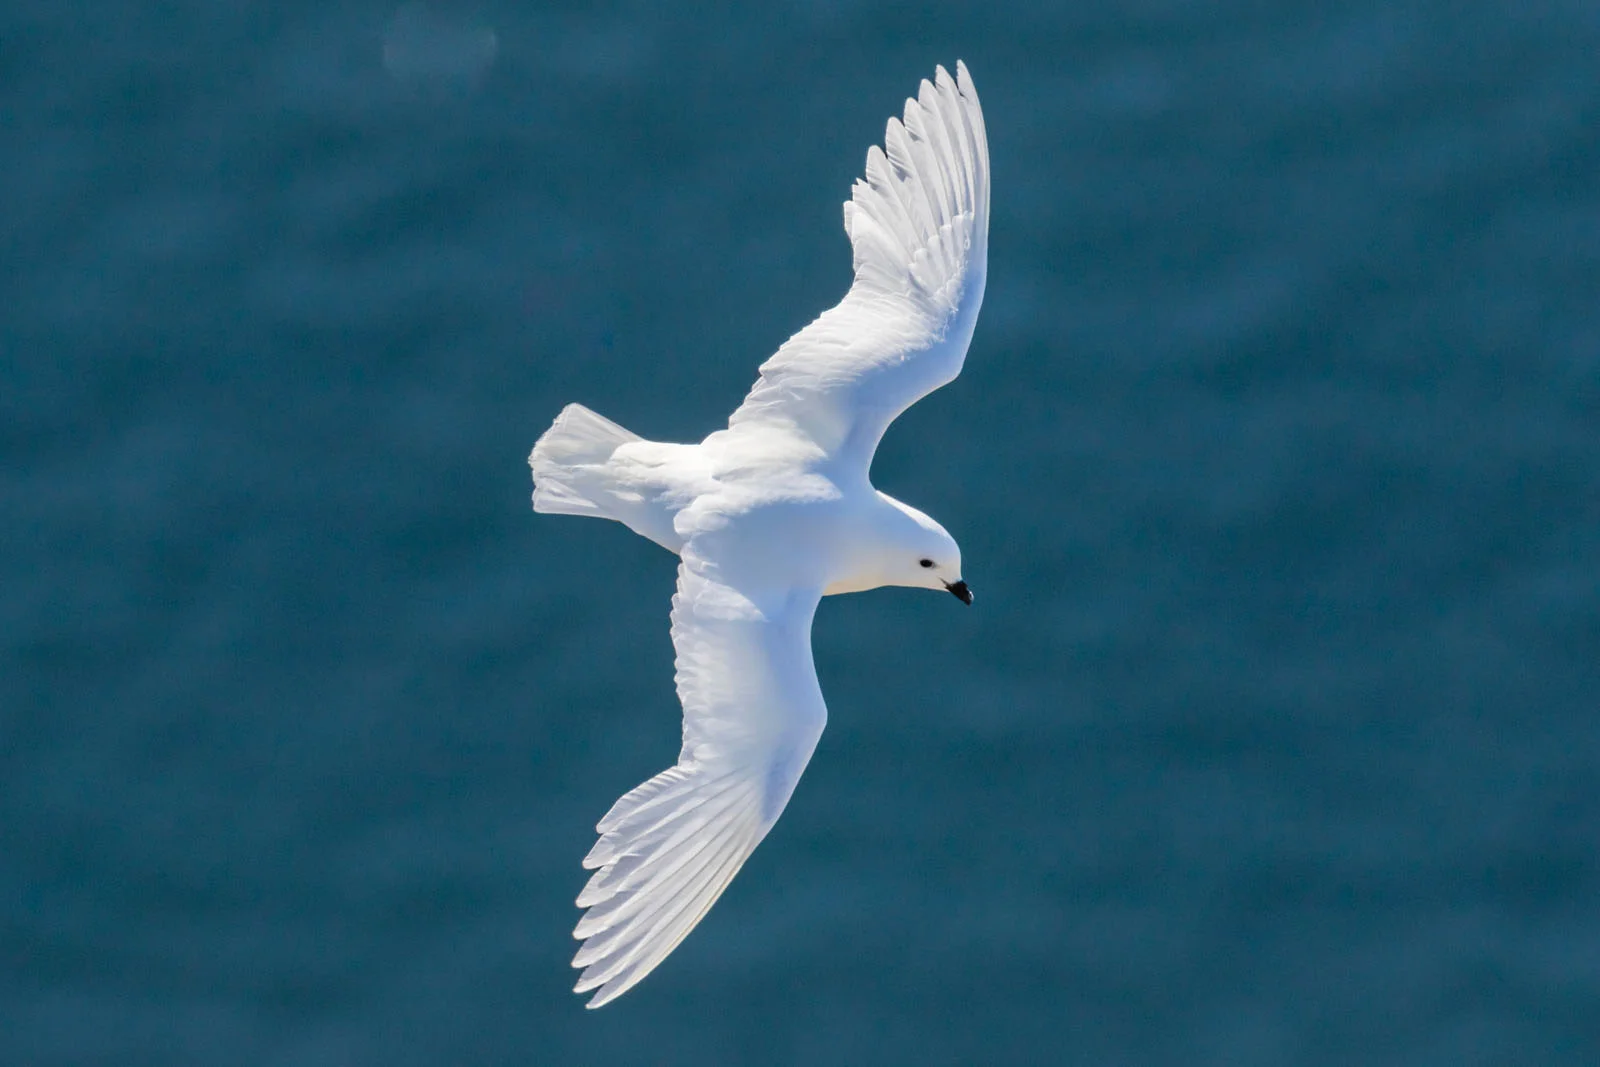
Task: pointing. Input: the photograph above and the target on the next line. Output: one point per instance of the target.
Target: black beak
(960, 591)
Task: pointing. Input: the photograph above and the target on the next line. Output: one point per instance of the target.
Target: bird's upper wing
(919, 224)
(752, 713)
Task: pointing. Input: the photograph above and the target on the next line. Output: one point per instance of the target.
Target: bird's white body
(771, 514)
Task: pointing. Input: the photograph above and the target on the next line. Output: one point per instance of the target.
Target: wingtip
(964, 80)
(605, 989)
(602, 998)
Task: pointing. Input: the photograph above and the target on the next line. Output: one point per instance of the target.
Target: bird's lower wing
(752, 714)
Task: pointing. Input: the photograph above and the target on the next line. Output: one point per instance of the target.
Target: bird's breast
(794, 531)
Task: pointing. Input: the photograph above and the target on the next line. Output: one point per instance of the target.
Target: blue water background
(1272, 738)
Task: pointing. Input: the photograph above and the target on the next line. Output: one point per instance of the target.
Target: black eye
(927, 562)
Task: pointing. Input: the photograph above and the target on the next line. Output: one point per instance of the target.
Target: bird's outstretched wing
(752, 713)
(919, 224)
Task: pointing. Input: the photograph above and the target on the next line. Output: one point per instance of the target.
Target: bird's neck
(876, 532)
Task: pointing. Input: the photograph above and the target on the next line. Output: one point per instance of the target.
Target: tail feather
(572, 455)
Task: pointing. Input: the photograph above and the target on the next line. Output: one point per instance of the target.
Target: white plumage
(771, 514)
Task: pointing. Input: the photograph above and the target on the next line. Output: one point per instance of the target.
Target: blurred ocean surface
(1271, 739)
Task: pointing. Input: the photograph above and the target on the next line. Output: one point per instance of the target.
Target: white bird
(769, 516)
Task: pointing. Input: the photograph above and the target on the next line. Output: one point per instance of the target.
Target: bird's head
(920, 553)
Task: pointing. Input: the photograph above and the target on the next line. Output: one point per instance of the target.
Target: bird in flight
(769, 516)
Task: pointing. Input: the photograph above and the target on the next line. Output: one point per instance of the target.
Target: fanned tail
(569, 463)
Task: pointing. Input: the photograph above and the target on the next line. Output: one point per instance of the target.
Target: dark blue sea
(1273, 737)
